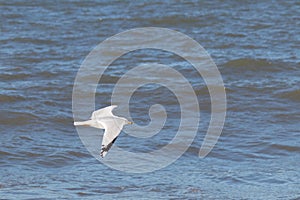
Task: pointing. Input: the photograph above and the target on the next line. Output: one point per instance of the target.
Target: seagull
(105, 119)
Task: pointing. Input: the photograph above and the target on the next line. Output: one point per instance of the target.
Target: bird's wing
(103, 112)
(112, 130)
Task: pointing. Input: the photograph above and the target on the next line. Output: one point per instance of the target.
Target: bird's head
(128, 122)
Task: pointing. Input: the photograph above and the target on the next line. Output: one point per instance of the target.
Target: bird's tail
(80, 123)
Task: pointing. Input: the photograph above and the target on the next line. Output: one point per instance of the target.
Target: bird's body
(104, 119)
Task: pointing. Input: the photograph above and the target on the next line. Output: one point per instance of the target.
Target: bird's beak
(130, 122)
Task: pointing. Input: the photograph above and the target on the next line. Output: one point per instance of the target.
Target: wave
(4, 153)
(293, 95)
(258, 65)
(174, 20)
(287, 148)
(17, 118)
(251, 64)
(56, 160)
(61, 159)
(13, 76)
(33, 41)
(5, 98)
(78, 154)
(25, 138)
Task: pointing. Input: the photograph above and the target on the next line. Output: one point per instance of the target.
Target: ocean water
(256, 48)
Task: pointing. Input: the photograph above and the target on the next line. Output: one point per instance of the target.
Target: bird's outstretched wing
(104, 149)
(113, 128)
(103, 112)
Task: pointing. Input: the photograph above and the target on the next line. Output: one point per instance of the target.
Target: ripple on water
(293, 95)
(17, 118)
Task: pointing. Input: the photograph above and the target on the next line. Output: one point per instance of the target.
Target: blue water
(256, 48)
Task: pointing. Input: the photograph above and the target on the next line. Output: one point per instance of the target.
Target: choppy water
(254, 44)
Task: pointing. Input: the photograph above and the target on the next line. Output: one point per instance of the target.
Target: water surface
(254, 44)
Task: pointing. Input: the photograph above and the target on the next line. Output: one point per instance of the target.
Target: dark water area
(255, 46)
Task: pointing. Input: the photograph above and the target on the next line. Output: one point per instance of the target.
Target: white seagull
(105, 119)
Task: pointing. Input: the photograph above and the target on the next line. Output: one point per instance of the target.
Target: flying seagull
(105, 119)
